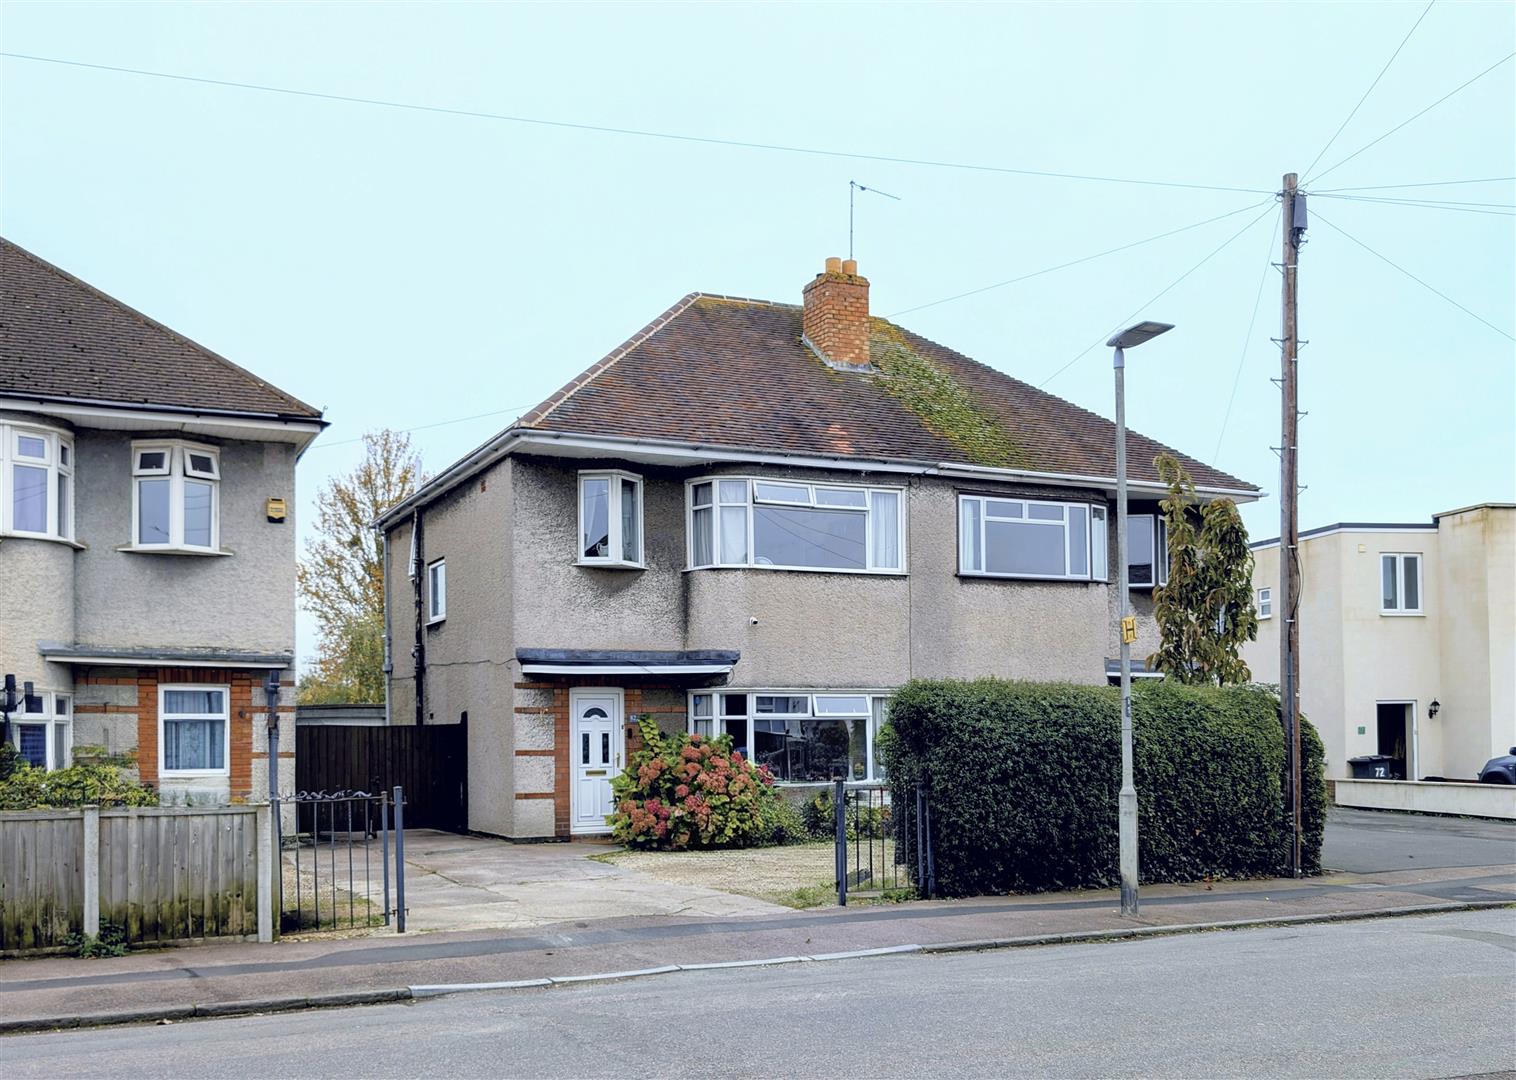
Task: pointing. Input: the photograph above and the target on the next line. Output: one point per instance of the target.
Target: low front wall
(1430, 797)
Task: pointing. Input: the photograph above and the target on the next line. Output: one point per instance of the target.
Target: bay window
(43, 729)
(800, 736)
(1031, 538)
(786, 525)
(193, 730)
(36, 482)
(175, 496)
(610, 519)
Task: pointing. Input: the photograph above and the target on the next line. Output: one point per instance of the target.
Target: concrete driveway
(473, 883)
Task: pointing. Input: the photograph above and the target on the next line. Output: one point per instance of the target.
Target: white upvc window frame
(226, 729)
(705, 707)
(178, 471)
(1265, 603)
(810, 488)
(1097, 536)
(615, 541)
(1156, 522)
(1400, 559)
(59, 511)
(54, 714)
(436, 590)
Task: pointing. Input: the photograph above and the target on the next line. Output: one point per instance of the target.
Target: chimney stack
(835, 318)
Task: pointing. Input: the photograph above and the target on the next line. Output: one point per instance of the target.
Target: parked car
(1500, 770)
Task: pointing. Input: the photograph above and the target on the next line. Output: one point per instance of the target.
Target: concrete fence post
(92, 871)
(266, 856)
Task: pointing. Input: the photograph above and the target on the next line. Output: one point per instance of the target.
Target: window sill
(438, 621)
(12, 534)
(174, 549)
(1404, 614)
(801, 570)
(969, 575)
(609, 564)
(198, 774)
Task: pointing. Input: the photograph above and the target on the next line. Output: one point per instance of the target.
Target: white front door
(595, 747)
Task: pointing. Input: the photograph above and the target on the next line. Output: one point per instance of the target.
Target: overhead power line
(1430, 288)
(1426, 183)
(1247, 340)
(1370, 90)
(1074, 262)
(604, 129)
(1495, 209)
(1417, 116)
(1158, 295)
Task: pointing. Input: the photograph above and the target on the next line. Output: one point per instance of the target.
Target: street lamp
(1129, 338)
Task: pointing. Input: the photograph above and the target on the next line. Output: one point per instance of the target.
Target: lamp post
(1127, 803)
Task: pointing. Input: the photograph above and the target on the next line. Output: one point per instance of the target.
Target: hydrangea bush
(689, 791)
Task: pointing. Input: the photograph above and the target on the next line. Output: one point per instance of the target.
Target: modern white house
(1407, 639)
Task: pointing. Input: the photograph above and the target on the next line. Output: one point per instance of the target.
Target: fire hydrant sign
(1129, 629)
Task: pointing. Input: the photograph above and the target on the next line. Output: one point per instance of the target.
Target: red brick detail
(243, 685)
(535, 753)
(538, 795)
(835, 315)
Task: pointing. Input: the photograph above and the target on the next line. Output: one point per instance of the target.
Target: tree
(1205, 612)
(341, 577)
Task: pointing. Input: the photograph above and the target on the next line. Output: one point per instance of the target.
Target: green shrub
(1023, 780)
(820, 817)
(785, 824)
(29, 788)
(111, 941)
(687, 791)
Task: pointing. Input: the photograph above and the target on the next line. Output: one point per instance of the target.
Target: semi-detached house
(147, 540)
(757, 519)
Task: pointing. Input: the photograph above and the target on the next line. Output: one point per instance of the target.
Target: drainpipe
(418, 575)
(271, 692)
(384, 576)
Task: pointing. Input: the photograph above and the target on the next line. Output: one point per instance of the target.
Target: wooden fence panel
(429, 762)
(164, 874)
(41, 888)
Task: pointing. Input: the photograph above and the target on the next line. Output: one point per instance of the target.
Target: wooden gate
(430, 762)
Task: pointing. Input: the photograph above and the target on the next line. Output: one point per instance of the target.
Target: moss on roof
(942, 404)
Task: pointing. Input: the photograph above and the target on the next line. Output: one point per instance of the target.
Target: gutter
(517, 438)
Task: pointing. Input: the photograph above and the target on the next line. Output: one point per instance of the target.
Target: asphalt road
(1374, 841)
(1407, 997)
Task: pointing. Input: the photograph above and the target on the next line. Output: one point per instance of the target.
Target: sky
(415, 269)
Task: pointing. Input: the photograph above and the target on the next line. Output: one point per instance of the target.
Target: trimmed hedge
(1023, 780)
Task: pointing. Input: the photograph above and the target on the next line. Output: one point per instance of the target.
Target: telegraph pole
(1294, 224)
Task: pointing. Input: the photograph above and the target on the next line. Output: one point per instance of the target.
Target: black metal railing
(883, 842)
(338, 853)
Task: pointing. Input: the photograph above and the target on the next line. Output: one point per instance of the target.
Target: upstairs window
(436, 591)
(1030, 538)
(1147, 548)
(783, 525)
(36, 482)
(610, 519)
(1265, 603)
(176, 496)
(1400, 584)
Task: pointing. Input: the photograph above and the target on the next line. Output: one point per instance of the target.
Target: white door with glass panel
(595, 744)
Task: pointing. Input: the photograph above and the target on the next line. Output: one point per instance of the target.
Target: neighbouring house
(1407, 639)
(757, 519)
(147, 540)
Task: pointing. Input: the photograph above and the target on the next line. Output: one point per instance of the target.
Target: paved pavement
(210, 975)
(1412, 997)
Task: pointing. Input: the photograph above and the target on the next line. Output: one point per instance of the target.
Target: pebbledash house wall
(509, 537)
(95, 594)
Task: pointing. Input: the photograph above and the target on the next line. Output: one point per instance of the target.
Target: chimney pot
(834, 318)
